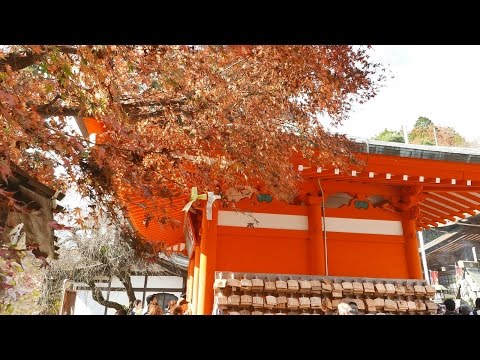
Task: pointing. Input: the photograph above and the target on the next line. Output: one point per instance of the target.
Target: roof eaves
(29, 182)
(444, 153)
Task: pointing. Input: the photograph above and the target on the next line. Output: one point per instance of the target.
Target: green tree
(423, 133)
(391, 136)
(447, 136)
(423, 123)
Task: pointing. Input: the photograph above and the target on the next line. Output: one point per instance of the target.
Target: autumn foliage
(424, 132)
(21, 275)
(174, 117)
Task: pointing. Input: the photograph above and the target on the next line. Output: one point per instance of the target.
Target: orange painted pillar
(411, 249)
(316, 248)
(208, 250)
(196, 272)
(191, 265)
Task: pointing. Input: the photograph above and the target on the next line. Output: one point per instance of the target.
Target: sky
(439, 82)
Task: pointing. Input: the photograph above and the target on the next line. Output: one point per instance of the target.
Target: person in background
(137, 307)
(450, 306)
(476, 310)
(153, 307)
(121, 311)
(149, 301)
(441, 309)
(177, 310)
(353, 308)
(183, 303)
(171, 306)
(465, 309)
(343, 308)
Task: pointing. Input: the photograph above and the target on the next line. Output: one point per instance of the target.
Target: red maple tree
(174, 117)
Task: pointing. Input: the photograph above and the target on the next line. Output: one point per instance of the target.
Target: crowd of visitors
(174, 307)
(450, 308)
(181, 307)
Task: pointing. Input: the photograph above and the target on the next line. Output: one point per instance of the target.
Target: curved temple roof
(448, 181)
(444, 153)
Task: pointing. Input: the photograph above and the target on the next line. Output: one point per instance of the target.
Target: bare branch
(67, 49)
(133, 109)
(165, 102)
(127, 283)
(48, 110)
(18, 61)
(98, 253)
(98, 297)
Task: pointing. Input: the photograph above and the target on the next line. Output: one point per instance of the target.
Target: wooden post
(191, 265)
(69, 295)
(411, 249)
(196, 272)
(316, 246)
(208, 250)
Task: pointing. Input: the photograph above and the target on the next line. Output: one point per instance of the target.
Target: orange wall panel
(262, 254)
(93, 125)
(359, 255)
(277, 251)
(378, 256)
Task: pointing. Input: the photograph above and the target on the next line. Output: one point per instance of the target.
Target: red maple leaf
(55, 225)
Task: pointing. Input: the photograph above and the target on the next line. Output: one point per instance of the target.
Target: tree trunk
(127, 282)
(98, 297)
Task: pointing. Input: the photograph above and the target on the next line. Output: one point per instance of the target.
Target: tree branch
(48, 110)
(98, 297)
(127, 283)
(164, 102)
(67, 49)
(18, 61)
(132, 109)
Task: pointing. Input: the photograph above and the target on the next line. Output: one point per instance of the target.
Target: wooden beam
(448, 206)
(440, 214)
(400, 180)
(466, 196)
(441, 188)
(443, 197)
(354, 186)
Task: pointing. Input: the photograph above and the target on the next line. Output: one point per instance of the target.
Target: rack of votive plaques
(283, 294)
